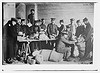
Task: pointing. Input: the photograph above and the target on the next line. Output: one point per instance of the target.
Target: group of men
(65, 35)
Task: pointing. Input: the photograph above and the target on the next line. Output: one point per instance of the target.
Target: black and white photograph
(48, 33)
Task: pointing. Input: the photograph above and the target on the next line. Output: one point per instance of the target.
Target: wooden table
(28, 41)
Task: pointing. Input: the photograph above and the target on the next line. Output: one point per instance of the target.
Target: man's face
(19, 20)
(61, 23)
(85, 22)
(32, 12)
(23, 22)
(79, 23)
(43, 21)
(66, 35)
(53, 21)
(72, 21)
(68, 29)
(13, 22)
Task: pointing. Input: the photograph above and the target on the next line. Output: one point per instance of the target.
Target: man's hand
(52, 37)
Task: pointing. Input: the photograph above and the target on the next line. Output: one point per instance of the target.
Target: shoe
(68, 59)
(9, 61)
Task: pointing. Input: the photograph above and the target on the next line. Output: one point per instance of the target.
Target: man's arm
(28, 18)
(48, 30)
(66, 41)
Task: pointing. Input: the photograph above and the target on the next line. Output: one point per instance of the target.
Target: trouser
(67, 54)
(52, 44)
(88, 48)
(10, 48)
(4, 49)
(72, 48)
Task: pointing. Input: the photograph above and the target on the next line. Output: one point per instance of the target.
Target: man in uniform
(64, 45)
(72, 26)
(52, 31)
(62, 27)
(88, 38)
(80, 28)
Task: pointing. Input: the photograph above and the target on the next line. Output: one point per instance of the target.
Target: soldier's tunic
(51, 29)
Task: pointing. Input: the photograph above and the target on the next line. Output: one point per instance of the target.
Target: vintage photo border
(60, 67)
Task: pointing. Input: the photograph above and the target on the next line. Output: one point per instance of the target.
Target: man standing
(72, 26)
(62, 27)
(88, 38)
(11, 40)
(52, 29)
(80, 29)
(52, 32)
(31, 17)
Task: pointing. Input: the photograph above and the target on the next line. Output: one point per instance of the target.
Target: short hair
(77, 21)
(52, 19)
(72, 19)
(18, 17)
(22, 20)
(61, 21)
(85, 19)
(42, 19)
(13, 19)
(67, 26)
(32, 10)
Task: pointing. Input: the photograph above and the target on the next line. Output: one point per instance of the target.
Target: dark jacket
(31, 30)
(43, 26)
(88, 31)
(61, 45)
(10, 31)
(10, 37)
(18, 28)
(51, 29)
(31, 18)
(61, 28)
(25, 29)
(79, 30)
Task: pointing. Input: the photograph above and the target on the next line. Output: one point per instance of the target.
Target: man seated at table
(52, 31)
(64, 45)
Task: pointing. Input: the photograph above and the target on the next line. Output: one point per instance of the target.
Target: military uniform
(63, 46)
(51, 29)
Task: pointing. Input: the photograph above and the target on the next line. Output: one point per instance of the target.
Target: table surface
(24, 39)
